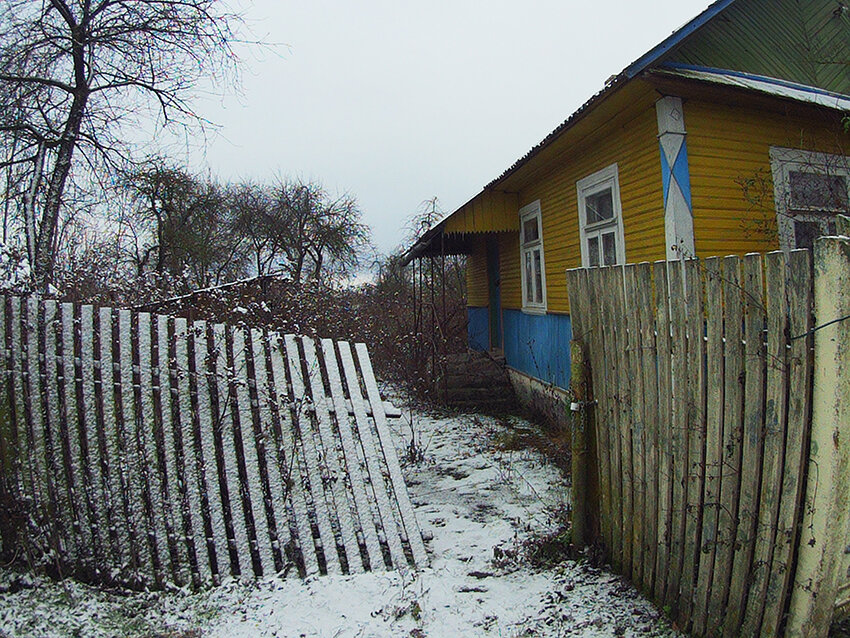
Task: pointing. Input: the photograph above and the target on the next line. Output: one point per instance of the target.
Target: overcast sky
(397, 102)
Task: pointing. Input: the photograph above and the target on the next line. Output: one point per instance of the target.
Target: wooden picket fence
(699, 391)
(146, 450)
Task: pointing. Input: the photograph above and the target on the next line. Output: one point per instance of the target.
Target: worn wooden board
(733, 394)
(648, 359)
(752, 439)
(695, 470)
(713, 440)
(773, 442)
(799, 370)
(636, 400)
(665, 426)
(679, 431)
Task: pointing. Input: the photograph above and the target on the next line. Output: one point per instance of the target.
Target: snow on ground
(478, 503)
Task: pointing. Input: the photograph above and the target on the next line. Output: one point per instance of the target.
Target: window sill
(534, 311)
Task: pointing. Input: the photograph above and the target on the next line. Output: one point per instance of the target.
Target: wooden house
(727, 137)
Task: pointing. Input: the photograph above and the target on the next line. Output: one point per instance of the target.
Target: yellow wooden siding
(728, 145)
(476, 274)
(630, 139)
(488, 211)
(511, 286)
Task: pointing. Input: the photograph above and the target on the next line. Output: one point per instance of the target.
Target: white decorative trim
(527, 212)
(598, 181)
(678, 216)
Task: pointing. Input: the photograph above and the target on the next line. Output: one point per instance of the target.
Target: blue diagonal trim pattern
(682, 174)
(665, 172)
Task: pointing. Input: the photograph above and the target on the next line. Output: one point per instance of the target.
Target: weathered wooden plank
(649, 394)
(88, 431)
(590, 284)
(733, 398)
(386, 520)
(330, 458)
(326, 541)
(799, 379)
(773, 443)
(252, 497)
(215, 365)
(754, 362)
(68, 444)
(8, 422)
(408, 519)
(158, 391)
(122, 399)
(678, 430)
(264, 436)
(631, 306)
(624, 404)
(22, 461)
(40, 478)
(205, 432)
(125, 344)
(62, 541)
(609, 419)
(143, 410)
(664, 431)
(289, 458)
(221, 400)
(16, 443)
(696, 437)
(113, 444)
(180, 438)
(713, 441)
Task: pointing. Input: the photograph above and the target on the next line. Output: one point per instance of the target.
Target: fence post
(579, 439)
(827, 504)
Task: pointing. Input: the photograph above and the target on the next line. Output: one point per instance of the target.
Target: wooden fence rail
(145, 450)
(702, 373)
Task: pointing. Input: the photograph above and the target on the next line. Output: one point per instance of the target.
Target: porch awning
(488, 212)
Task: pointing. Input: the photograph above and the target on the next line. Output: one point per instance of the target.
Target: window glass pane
(609, 249)
(529, 291)
(599, 206)
(593, 251)
(805, 233)
(530, 230)
(818, 191)
(538, 278)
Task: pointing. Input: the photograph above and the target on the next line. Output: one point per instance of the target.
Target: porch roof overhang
(488, 212)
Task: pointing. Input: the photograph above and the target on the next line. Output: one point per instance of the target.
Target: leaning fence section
(146, 450)
(702, 376)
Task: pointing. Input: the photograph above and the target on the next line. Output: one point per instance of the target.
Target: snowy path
(469, 498)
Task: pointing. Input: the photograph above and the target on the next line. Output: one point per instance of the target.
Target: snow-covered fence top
(146, 450)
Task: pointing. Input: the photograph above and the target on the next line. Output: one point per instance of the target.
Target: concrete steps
(477, 380)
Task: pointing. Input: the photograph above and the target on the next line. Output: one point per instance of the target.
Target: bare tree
(181, 227)
(316, 235)
(296, 228)
(75, 73)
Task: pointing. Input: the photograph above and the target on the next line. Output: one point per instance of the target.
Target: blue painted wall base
(539, 345)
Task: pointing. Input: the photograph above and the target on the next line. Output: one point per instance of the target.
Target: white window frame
(590, 185)
(784, 161)
(532, 211)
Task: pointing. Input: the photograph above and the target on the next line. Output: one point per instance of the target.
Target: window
(810, 189)
(600, 219)
(531, 256)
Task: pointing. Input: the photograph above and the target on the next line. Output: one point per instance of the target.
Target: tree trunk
(44, 254)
